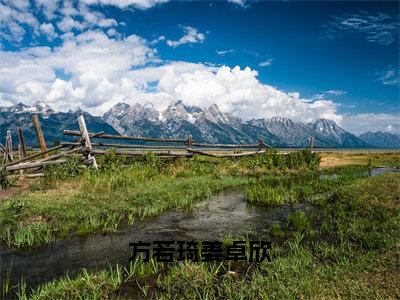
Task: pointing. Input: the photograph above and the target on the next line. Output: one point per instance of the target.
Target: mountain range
(179, 120)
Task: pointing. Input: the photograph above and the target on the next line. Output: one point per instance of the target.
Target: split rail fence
(86, 145)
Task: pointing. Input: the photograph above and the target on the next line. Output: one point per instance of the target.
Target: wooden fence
(92, 144)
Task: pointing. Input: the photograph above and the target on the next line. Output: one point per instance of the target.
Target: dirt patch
(18, 187)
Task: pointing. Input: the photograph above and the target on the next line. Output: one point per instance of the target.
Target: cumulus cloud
(48, 30)
(239, 92)
(192, 35)
(99, 71)
(94, 66)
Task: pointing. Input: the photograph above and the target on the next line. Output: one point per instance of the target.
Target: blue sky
(301, 60)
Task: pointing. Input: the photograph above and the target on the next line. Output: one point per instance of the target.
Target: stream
(225, 214)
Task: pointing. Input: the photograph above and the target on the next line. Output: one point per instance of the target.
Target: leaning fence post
(39, 133)
(10, 147)
(88, 144)
(311, 143)
(8, 151)
(21, 146)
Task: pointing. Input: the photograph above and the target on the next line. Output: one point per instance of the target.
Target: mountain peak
(41, 107)
(325, 125)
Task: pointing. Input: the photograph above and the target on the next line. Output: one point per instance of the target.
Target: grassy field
(349, 247)
(334, 159)
(66, 201)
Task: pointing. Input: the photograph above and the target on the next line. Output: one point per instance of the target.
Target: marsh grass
(359, 260)
(69, 199)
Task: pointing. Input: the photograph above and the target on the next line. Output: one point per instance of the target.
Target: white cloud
(224, 52)
(96, 70)
(361, 123)
(239, 2)
(192, 35)
(13, 18)
(48, 7)
(266, 63)
(94, 66)
(99, 71)
(157, 40)
(239, 92)
(390, 77)
(335, 92)
(374, 27)
(48, 30)
(140, 4)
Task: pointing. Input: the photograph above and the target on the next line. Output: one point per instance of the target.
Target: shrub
(4, 182)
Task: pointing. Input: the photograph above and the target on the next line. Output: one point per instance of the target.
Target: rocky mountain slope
(52, 123)
(178, 120)
(213, 126)
(381, 139)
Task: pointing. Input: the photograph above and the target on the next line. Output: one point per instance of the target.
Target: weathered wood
(226, 155)
(127, 146)
(39, 133)
(21, 141)
(65, 153)
(190, 142)
(79, 142)
(88, 145)
(34, 165)
(35, 175)
(8, 152)
(225, 145)
(127, 137)
(311, 146)
(33, 156)
(260, 143)
(135, 153)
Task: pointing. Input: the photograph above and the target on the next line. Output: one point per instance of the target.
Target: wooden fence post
(39, 133)
(260, 144)
(8, 150)
(88, 144)
(190, 142)
(311, 143)
(21, 146)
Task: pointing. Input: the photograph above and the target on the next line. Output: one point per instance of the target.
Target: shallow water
(225, 214)
(373, 172)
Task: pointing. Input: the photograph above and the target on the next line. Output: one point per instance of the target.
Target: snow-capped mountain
(337, 135)
(208, 125)
(38, 107)
(53, 123)
(213, 126)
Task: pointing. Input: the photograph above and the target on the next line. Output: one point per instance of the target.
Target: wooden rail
(89, 149)
(127, 137)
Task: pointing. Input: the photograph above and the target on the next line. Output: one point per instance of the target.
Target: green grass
(355, 254)
(69, 200)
